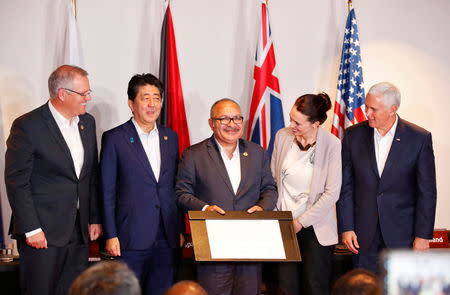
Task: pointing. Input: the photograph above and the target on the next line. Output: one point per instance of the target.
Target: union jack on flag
(349, 106)
(266, 111)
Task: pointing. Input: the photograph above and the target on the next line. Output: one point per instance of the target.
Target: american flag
(266, 111)
(349, 106)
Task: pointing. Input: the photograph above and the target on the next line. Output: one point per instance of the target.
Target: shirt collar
(391, 131)
(60, 119)
(141, 132)
(222, 150)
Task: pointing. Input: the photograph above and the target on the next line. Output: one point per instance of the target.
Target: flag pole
(74, 4)
(349, 5)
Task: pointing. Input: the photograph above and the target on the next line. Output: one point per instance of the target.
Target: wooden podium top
(202, 245)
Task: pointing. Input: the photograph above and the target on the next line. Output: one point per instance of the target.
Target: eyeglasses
(227, 120)
(79, 93)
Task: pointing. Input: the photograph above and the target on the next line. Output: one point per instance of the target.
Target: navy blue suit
(398, 206)
(139, 210)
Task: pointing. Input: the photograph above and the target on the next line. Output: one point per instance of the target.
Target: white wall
(404, 41)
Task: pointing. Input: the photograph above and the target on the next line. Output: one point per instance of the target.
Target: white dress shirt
(71, 135)
(150, 143)
(383, 145)
(233, 167)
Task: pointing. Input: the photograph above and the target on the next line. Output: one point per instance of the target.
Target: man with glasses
(51, 181)
(224, 173)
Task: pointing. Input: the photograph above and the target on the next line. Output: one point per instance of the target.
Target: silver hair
(62, 77)
(213, 107)
(106, 278)
(391, 94)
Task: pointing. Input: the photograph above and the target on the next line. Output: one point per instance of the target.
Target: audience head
(357, 282)
(69, 90)
(309, 112)
(186, 288)
(226, 121)
(106, 278)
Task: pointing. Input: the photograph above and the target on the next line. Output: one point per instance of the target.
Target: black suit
(203, 180)
(43, 190)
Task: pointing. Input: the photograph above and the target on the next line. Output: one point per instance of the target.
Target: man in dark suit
(51, 181)
(138, 165)
(388, 194)
(223, 173)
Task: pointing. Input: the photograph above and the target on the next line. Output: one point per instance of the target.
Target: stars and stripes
(266, 111)
(349, 106)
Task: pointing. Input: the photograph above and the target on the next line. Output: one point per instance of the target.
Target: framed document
(240, 236)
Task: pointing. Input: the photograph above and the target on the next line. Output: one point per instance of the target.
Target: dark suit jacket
(403, 199)
(40, 177)
(203, 179)
(132, 198)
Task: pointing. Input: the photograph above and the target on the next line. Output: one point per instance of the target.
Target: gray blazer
(325, 184)
(203, 180)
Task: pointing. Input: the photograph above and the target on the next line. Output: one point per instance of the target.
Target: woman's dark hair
(142, 80)
(315, 106)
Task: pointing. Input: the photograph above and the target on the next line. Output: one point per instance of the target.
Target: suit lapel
(371, 150)
(243, 155)
(395, 148)
(134, 142)
(56, 133)
(85, 141)
(214, 153)
(163, 150)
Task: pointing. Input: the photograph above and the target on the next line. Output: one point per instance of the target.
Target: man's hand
(350, 241)
(297, 226)
(215, 208)
(37, 241)
(94, 231)
(113, 246)
(420, 244)
(182, 240)
(254, 209)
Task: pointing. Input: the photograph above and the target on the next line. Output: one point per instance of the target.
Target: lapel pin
(397, 139)
(131, 139)
(245, 154)
(165, 137)
(82, 127)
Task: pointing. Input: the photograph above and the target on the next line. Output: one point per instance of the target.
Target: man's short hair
(140, 80)
(107, 277)
(391, 94)
(62, 77)
(357, 282)
(213, 107)
(186, 288)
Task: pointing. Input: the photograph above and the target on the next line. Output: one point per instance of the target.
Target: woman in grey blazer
(306, 165)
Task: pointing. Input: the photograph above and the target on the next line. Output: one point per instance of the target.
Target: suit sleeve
(185, 184)
(426, 191)
(344, 207)
(19, 160)
(108, 183)
(327, 200)
(94, 214)
(181, 220)
(268, 193)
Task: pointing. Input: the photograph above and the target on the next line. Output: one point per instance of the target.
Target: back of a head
(357, 282)
(186, 288)
(109, 277)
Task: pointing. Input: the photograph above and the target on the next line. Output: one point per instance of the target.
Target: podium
(241, 236)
